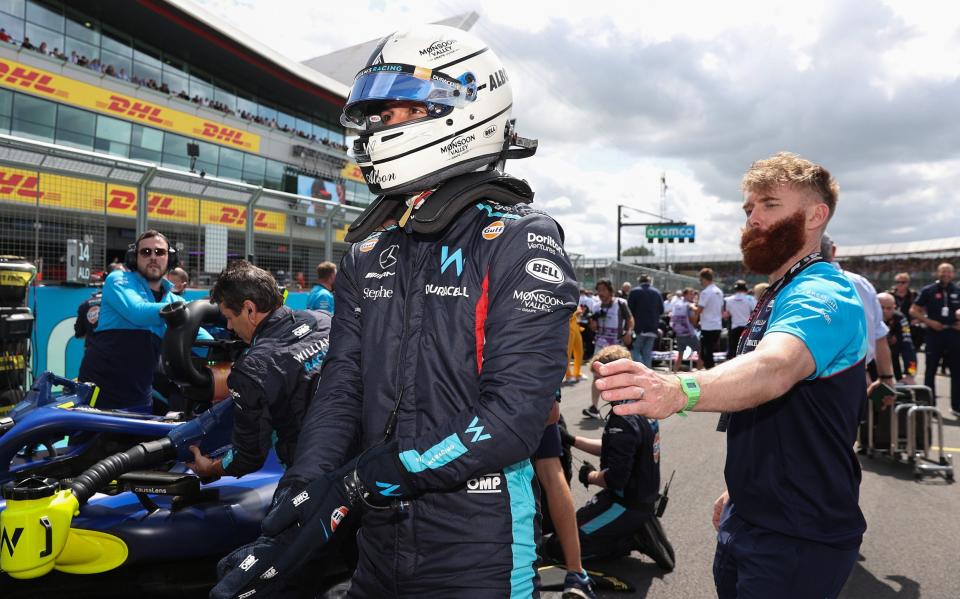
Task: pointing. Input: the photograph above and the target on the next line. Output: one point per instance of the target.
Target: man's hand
(718, 506)
(203, 466)
(908, 380)
(656, 396)
(627, 338)
(887, 399)
(934, 325)
(584, 475)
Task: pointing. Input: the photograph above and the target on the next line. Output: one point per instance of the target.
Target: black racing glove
(585, 471)
(565, 437)
(377, 477)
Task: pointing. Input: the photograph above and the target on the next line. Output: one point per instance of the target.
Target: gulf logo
(369, 243)
(493, 230)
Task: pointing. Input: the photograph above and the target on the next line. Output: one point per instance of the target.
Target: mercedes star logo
(388, 257)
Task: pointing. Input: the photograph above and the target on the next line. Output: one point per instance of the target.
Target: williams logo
(545, 270)
(439, 48)
(488, 483)
(458, 146)
(446, 259)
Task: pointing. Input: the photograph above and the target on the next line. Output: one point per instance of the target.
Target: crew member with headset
(447, 347)
(272, 382)
(937, 307)
(121, 358)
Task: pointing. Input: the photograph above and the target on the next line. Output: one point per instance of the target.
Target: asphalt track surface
(911, 548)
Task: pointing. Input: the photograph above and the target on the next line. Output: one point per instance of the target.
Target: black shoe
(592, 412)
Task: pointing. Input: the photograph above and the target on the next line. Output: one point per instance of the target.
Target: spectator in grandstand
(759, 289)
(878, 361)
(120, 359)
(321, 296)
(26, 45)
(74, 57)
(613, 324)
(683, 320)
(738, 307)
(710, 302)
(901, 344)
(646, 306)
(905, 295)
(790, 518)
(180, 279)
(4, 36)
(937, 307)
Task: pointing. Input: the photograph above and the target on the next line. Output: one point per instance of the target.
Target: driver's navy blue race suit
(465, 331)
(271, 384)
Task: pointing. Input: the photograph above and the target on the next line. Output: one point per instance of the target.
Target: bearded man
(123, 355)
(789, 524)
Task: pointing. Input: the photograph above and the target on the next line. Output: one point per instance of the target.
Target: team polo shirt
(790, 462)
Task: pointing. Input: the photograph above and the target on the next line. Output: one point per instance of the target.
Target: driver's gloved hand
(304, 516)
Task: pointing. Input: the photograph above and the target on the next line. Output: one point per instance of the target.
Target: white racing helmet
(468, 98)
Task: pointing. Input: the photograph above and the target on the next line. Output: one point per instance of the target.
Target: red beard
(766, 250)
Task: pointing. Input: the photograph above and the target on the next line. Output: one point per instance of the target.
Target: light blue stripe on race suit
(227, 459)
(612, 513)
(437, 456)
(522, 511)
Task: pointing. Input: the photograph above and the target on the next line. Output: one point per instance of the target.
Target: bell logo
(122, 200)
(26, 78)
(14, 184)
(139, 110)
(223, 134)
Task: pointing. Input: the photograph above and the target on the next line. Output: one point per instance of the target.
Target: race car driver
(274, 379)
(447, 346)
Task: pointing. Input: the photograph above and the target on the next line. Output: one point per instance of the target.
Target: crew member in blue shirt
(789, 524)
(321, 296)
(937, 307)
(121, 358)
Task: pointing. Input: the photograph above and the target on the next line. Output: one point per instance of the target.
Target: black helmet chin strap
(514, 146)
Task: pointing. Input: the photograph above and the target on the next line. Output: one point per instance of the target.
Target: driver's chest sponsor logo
(488, 483)
(544, 270)
(493, 230)
(544, 243)
(446, 290)
(378, 293)
(536, 300)
(370, 242)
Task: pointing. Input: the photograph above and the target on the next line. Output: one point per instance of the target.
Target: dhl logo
(223, 134)
(26, 78)
(16, 185)
(138, 110)
(230, 215)
(157, 205)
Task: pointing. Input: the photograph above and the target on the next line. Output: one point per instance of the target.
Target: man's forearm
(591, 446)
(884, 359)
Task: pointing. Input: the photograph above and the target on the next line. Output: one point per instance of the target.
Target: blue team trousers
(756, 563)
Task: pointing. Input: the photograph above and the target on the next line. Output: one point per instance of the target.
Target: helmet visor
(399, 82)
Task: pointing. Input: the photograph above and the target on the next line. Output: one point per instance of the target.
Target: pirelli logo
(138, 110)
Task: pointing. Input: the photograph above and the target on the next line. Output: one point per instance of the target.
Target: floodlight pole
(620, 222)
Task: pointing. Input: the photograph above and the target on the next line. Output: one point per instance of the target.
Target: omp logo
(247, 594)
(13, 184)
(26, 78)
(139, 110)
(301, 330)
(248, 563)
(446, 259)
(8, 543)
(301, 498)
(545, 270)
(488, 483)
(226, 134)
(270, 573)
(231, 215)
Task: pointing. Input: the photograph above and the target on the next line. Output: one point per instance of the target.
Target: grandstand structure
(118, 116)
(878, 262)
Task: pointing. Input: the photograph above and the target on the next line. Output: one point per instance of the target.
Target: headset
(130, 258)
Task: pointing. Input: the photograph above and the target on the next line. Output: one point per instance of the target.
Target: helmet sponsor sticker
(375, 177)
(337, 517)
(439, 49)
(544, 270)
(489, 131)
(493, 230)
(458, 145)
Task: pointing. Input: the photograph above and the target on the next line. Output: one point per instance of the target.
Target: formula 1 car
(99, 503)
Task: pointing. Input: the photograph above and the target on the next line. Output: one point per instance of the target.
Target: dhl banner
(58, 191)
(352, 172)
(31, 80)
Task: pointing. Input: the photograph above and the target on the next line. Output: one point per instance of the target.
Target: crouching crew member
(274, 379)
(622, 516)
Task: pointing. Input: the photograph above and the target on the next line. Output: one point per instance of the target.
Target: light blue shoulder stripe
(523, 509)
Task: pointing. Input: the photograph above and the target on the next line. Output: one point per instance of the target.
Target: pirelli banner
(28, 79)
(71, 193)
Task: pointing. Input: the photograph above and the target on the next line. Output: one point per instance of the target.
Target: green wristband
(691, 388)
